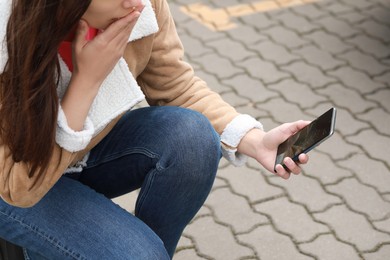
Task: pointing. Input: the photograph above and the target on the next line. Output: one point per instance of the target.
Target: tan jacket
(156, 63)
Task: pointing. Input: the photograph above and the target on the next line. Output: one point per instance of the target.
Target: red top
(65, 48)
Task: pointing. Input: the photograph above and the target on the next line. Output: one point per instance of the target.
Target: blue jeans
(170, 153)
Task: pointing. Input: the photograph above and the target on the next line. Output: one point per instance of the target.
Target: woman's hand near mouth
(93, 61)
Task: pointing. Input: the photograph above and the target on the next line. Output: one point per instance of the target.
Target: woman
(71, 72)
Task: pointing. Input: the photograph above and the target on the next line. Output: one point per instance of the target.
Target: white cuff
(70, 140)
(232, 135)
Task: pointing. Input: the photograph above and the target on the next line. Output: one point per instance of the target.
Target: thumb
(81, 35)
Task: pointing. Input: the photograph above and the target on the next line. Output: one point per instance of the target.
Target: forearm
(77, 101)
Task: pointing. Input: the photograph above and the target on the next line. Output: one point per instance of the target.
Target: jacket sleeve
(18, 189)
(168, 80)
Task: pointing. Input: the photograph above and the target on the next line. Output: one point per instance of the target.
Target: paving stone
(351, 227)
(294, 92)
(379, 13)
(371, 172)
(220, 66)
(337, 7)
(232, 50)
(337, 147)
(234, 100)
(274, 52)
(184, 242)
(306, 191)
(250, 88)
(327, 247)
(366, 201)
(301, 227)
(319, 58)
(247, 35)
(272, 245)
(285, 112)
(285, 37)
(381, 254)
(324, 169)
(187, 254)
(253, 111)
(308, 74)
(337, 27)
(328, 42)
(360, 5)
(382, 96)
(356, 79)
(234, 211)
(264, 70)
(310, 11)
(370, 46)
(250, 183)
(300, 24)
(346, 98)
(348, 124)
(376, 145)
(384, 78)
(260, 21)
(215, 241)
(379, 118)
(352, 17)
(213, 82)
(194, 47)
(363, 62)
(375, 29)
(383, 225)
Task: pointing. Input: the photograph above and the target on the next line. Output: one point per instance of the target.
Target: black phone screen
(307, 138)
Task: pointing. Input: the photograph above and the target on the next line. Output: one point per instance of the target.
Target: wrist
(251, 142)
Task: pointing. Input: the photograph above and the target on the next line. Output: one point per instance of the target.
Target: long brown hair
(28, 97)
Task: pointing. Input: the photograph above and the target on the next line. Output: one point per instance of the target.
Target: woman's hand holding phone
(263, 146)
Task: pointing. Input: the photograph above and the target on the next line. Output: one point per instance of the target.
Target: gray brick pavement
(289, 64)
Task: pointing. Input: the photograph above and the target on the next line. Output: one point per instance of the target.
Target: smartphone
(307, 138)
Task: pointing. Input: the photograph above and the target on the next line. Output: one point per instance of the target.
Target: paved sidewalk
(280, 63)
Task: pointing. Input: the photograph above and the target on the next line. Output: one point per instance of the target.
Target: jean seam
(41, 234)
(145, 192)
(118, 155)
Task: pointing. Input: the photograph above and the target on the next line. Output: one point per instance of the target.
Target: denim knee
(193, 143)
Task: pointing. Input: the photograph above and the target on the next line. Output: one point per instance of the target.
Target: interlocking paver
(337, 27)
(297, 23)
(327, 247)
(319, 58)
(383, 225)
(363, 62)
(250, 88)
(302, 227)
(210, 235)
(375, 29)
(377, 117)
(353, 228)
(366, 201)
(378, 147)
(328, 42)
(286, 37)
(370, 46)
(311, 75)
(381, 254)
(272, 245)
(370, 172)
(295, 92)
(356, 79)
(234, 210)
(342, 96)
(264, 70)
(274, 52)
(323, 168)
(299, 189)
(350, 123)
